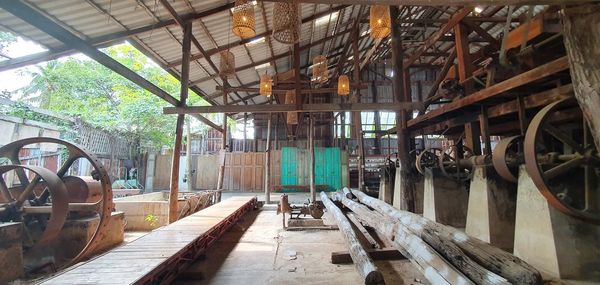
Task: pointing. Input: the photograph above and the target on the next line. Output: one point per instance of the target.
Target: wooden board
(160, 253)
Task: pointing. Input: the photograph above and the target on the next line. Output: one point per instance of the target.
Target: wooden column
(356, 116)
(311, 146)
(268, 161)
(223, 154)
(377, 120)
(185, 78)
(582, 39)
(245, 136)
(406, 192)
(465, 71)
(188, 153)
(343, 130)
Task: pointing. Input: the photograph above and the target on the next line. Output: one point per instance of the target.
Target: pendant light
(343, 85)
(319, 68)
(266, 85)
(286, 22)
(380, 21)
(227, 64)
(244, 22)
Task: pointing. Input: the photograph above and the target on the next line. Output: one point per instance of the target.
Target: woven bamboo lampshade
(320, 72)
(343, 85)
(380, 21)
(266, 85)
(244, 22)
(286, 22)
(290, 98)
(227, 64)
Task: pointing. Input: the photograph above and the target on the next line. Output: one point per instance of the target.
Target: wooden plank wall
(244, 172)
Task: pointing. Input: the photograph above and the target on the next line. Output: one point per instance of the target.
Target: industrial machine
(45, 200)
(558, 153)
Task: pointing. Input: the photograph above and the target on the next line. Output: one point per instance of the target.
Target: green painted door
(289, 166)
(328, 167)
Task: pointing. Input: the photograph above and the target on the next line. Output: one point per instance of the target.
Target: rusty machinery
(44, 200)
(558, 152)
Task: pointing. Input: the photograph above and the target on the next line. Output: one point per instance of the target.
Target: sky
(12, 80)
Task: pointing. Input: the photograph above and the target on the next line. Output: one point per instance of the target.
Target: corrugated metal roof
(94, 18)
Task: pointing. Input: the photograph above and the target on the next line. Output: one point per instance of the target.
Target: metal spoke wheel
(46, 198)
(562, 160)
(507, 157)
(427, 159)
(450, 162)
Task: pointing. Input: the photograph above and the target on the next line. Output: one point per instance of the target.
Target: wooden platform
(159, 256)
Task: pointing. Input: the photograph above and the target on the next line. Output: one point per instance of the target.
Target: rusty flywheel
(46, 198)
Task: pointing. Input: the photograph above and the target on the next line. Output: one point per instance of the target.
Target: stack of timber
(443, 254)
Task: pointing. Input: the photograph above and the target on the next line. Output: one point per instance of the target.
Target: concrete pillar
(444, 200)
(556, 244)
(492, 206)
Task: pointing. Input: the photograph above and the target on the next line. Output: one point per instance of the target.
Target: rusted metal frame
(185, 75)
(55, 30)
(258, 36)
(168, 271)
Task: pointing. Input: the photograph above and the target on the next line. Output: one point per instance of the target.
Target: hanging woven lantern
(266, 85)
(243, 19)
(319, 68)
(380, 21)
(290, 98)
(343, 85)
(227, 64)
(286, 22)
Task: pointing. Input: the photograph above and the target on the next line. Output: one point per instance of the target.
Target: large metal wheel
(507, 157)
(44, 193)
(562, 160)
(427, 159)
(450, 162)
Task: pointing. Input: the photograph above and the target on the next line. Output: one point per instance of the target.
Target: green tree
(102, 98)
(5, 40)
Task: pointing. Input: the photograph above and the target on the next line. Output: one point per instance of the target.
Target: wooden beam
(34, 18)
(539, 72)
(310, 108)
(444, 3)
(404, 189)
(185, 75)
(453, 21)
(104, 40)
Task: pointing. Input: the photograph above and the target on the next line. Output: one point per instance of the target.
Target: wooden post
(245, 137)
(465, 70)
(356, 116)
(343, 130)
(223, 140)
(311, 146)
(188, 153)
(581, 30)
(185, 75)
(377, 120)
(363, 263)
(485, 131)
(268, 162)
(404, 196)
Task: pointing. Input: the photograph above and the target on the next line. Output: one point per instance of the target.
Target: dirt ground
(258, 251)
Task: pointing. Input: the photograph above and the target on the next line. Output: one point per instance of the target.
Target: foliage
(152, 219)
(6, 39)
(84, 88)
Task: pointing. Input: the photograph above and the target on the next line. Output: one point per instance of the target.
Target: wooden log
(433, 266)
(364, 264)
(347, 193)
(342, 257)
(494, 259)
(367, 240)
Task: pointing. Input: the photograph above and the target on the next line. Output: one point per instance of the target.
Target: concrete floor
(258, 251)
